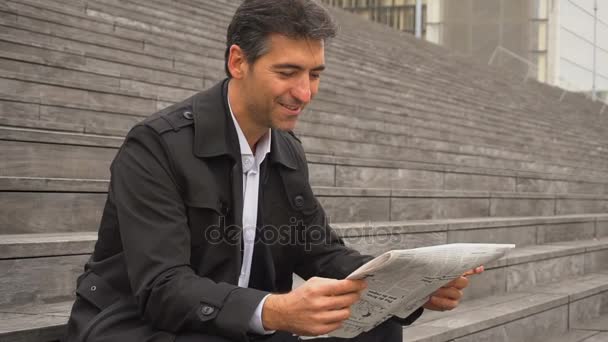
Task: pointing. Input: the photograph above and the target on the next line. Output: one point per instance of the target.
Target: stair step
(77, 204)
(14, 246)
(59, 259)
(512, 123)
(579, 336)
(520, 316)
(10, 136)
(598, 324)
(40, 323)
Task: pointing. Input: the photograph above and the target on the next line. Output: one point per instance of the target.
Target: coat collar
(215, 134)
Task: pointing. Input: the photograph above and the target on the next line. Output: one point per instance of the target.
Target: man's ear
(237, 63)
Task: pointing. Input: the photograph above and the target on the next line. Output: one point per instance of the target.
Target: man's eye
(315, 76)
(286, 73)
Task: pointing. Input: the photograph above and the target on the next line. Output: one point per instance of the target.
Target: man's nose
(301, 91)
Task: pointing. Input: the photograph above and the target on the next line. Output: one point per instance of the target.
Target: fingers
(342, 301)
(441, 304)
(333, 316)
(474, 271)
(459, 283)
(448, 296)
(449, 293)
(333, 287)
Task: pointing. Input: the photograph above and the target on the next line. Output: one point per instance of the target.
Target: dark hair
(254, 20)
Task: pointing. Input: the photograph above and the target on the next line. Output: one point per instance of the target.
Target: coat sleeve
(156, 243)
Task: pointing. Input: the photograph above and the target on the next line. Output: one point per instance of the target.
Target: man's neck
(252, 133)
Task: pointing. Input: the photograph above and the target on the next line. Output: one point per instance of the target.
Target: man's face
(280, 83)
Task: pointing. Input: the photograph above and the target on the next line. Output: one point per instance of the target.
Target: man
(209, 210)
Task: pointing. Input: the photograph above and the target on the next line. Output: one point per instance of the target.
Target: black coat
(168, 256)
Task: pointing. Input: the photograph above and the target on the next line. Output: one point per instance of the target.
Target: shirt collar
(262, 147)
(215, 135)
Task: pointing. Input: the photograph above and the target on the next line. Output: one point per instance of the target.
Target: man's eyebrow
(298, 67)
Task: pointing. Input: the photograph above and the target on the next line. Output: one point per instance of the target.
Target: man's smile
(293, 108)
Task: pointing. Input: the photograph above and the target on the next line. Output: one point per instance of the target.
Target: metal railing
(400, 17)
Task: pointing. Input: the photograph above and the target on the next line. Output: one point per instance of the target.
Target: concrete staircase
(408, 144)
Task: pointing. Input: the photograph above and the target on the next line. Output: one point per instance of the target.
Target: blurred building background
(553, 41)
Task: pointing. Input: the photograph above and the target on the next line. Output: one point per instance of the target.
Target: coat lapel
(215, 136)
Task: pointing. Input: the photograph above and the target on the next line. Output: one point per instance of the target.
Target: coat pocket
(299, 193)
(97, 292)
(122, 310)
(207, 217)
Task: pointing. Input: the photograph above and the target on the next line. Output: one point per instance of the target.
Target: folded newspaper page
(400, 281)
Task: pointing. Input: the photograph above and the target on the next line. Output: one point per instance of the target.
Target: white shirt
(251, 185)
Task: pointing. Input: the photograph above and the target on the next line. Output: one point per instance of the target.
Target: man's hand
(448, 297)
(317, 307)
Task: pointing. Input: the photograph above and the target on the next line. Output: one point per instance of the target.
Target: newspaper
(401, 281)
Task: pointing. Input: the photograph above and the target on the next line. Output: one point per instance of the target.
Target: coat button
(93, 288)
(188, 115)
(298, 201)
(207, 310)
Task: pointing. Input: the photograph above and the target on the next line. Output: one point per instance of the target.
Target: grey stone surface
(596, 261)
(483, 314)
(73, 32)
(15, 87)
(36, 245)
(601, 337)
(437, 208)
(33, 184)
(473, 182)
(598, 324)
(95, 122)
(521, 207)
(565, 232)
(588, 309)
(50, 160)
(491, 282)
(42, 125)
(350, 176)
(574, 336)
(410, 139)
(527, 275)
(20, 328)
(39, 280)
(55, 212)
(585, 188)
(416, 179)
(541, 185)
(161, 92)
(542, 252)
(378, 244)
(601, 228)
(344, 209)
(328, 191)
(354, 229)
(145, 74)
(321, 174)
(529, 329)
(61, 73)
(50, 309)
(521, 236)
(33, 35)
(58, 137)
(576, 206)
(12, 109)
(126, 103)
(577, 288)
